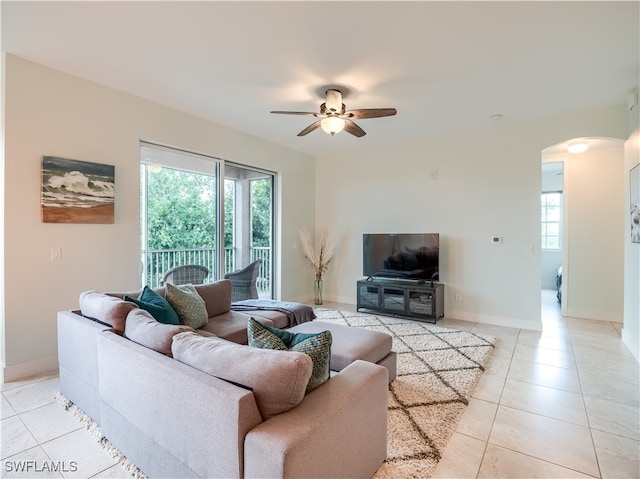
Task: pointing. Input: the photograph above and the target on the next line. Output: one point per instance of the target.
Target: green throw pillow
(156, 305)
(315, 345)
(189, 305)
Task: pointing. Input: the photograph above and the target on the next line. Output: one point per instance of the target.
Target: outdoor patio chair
(185, 274)
(243, 282)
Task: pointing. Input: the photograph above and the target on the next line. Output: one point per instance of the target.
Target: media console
(423, 301)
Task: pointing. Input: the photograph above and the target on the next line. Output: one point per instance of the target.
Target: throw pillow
(216, 295)
(316, 345)
(277, 378)
(143, 329)
(155, 304)
(189, 305)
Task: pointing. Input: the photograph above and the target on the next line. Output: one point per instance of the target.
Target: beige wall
(51, 113)
(488, 184)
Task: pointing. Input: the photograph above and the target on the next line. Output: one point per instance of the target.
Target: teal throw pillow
(316, 345)
(156, 305)
(189, 305)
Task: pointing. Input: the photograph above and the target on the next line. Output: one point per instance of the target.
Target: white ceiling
(444, 65)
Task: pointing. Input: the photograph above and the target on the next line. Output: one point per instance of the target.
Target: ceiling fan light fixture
(578, 147)
(333, 101)
(334, 116)
(332, 124)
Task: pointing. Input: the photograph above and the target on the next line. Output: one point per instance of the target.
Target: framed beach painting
(76, 191)
(634, 190)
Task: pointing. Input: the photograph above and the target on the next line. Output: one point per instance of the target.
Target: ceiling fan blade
(310, 128)
(351, 127)
(294, 113)
(362, 113)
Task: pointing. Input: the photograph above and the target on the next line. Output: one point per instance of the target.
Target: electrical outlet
(458, 297)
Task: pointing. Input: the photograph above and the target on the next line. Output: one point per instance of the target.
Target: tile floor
(561, 403)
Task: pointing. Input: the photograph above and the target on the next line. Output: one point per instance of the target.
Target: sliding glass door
(200, 210)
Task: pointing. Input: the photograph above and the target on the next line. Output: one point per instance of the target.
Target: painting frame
(634, 198)
(76, 191)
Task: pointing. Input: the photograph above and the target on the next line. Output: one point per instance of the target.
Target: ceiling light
(332, 124)
(578, 147)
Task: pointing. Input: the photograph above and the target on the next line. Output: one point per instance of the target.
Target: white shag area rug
(96, 433)
(437, 371)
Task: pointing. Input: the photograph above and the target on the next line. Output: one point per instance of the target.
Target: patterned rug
(437, 371)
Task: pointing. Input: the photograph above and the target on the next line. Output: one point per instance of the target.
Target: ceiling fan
(334, 117)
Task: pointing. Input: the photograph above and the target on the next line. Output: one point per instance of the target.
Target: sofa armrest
(338, 430)
(78, 360)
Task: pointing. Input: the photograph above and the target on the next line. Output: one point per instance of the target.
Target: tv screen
(401, 256)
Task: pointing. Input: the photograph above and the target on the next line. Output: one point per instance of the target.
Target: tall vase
(318, 289)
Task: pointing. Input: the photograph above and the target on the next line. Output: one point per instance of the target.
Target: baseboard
(341, 299)
(594, 315)
(28, 369)
(495, 320)
(631, 343)
(472, 317)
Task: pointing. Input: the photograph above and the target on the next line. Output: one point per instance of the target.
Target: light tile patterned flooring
(561, 403)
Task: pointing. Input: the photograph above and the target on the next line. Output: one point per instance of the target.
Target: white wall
(489, 184)
(594, 215)
(631, 327)
(51, 113)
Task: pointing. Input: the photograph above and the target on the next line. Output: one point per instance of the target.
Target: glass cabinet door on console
(421, 302)
(393, 300)
(368, 296)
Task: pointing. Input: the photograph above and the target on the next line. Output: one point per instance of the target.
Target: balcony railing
(156, 262)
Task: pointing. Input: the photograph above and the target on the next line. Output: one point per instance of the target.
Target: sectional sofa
(180, 402)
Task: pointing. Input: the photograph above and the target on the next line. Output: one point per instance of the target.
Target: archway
(592, 231)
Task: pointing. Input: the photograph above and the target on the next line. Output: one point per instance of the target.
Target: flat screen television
(401, 256)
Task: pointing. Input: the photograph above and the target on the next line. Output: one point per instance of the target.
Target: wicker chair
(243, 282)
(185, 274)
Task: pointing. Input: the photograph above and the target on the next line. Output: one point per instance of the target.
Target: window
(196, 209)
(551, 220)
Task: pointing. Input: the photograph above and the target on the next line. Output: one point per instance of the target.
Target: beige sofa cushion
(231, 326)
(278, 378)
(142, 328)
(107, 309)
